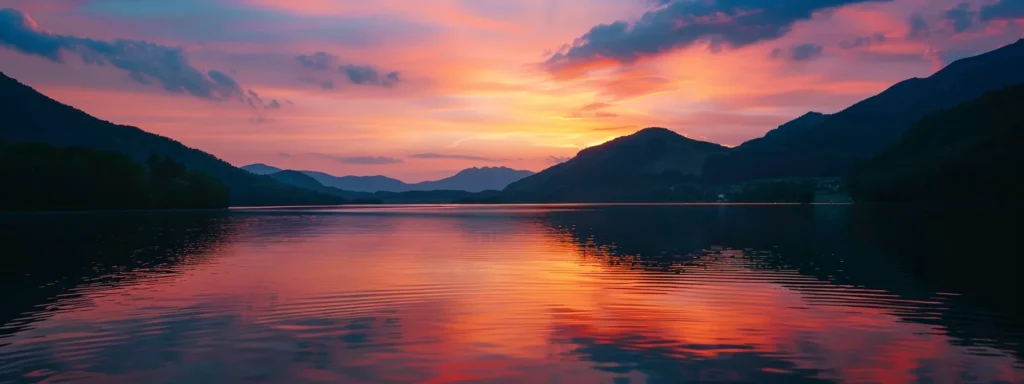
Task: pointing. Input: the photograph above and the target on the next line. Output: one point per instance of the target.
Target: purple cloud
(801, 52)
(679, 24)
(144, 61)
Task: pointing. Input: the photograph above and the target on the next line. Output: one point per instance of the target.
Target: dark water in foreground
(564, 294)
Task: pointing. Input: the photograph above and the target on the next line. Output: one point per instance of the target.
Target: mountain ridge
(863, 129)
(32, 117)
(474, 179)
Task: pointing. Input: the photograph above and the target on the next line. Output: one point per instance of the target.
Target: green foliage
(41, 177)
(968, 153)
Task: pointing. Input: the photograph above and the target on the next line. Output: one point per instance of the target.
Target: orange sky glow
(476, 81)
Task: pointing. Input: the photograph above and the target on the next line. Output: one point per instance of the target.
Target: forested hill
(31, 117)
(968, 153)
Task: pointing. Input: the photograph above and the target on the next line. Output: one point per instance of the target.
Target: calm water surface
(501, 294)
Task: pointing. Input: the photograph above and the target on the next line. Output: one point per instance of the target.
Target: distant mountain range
(31, 117)
(469, 180)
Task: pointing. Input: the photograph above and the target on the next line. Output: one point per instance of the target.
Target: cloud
(680, 24)
(364, 160)
(592, 110)
(367, 75)
(353, 74)
(1003, 10)
(144, 61)
(452, 156)
(801, 52)
(961, 17)
(863, 41)
(256, 102)
(918, 27)
(558, 159)
(319, 61)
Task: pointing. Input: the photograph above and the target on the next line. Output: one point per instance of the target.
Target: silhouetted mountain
(468, 180)
(261, 169)
(968, 153)
(475, 180)
(654, 164)
(833, 145)
(297, 179)
(303, 180)
(795, 128)
(359, 183)
(31, 117)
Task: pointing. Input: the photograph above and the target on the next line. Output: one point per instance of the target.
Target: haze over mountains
(469, 180)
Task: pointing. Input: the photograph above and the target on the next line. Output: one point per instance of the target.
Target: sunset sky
(421, 89)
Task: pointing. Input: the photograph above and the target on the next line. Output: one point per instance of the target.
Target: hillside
(832, 146)
(967, 153)
(31, 117)
(654, 164)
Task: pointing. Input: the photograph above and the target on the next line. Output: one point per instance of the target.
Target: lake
(514, 294)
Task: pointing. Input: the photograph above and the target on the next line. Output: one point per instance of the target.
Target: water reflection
(489, 294)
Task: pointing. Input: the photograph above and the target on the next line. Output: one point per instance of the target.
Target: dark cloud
(365, 160)
(891, 57)
(367, 75)
(319, 61)
(801, 52)
(961, 17)
(679, 24)
(145, 62)
(1003, 10)
(863, 41)
(256, 102)
(918, 27)
(354, 74)
(452, 156)
(558, 159)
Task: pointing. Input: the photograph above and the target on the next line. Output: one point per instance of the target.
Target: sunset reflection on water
(485, 295)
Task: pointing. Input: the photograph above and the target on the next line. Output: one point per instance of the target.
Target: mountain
(654, 164)
(359, 183)
(261, 169)
(467, 180)
(832, 146)
(302, 180)
(31, 117)
(475, 180)
(297, 179)
(968, 153)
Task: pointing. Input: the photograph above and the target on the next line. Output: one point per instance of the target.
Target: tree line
(40, 177)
